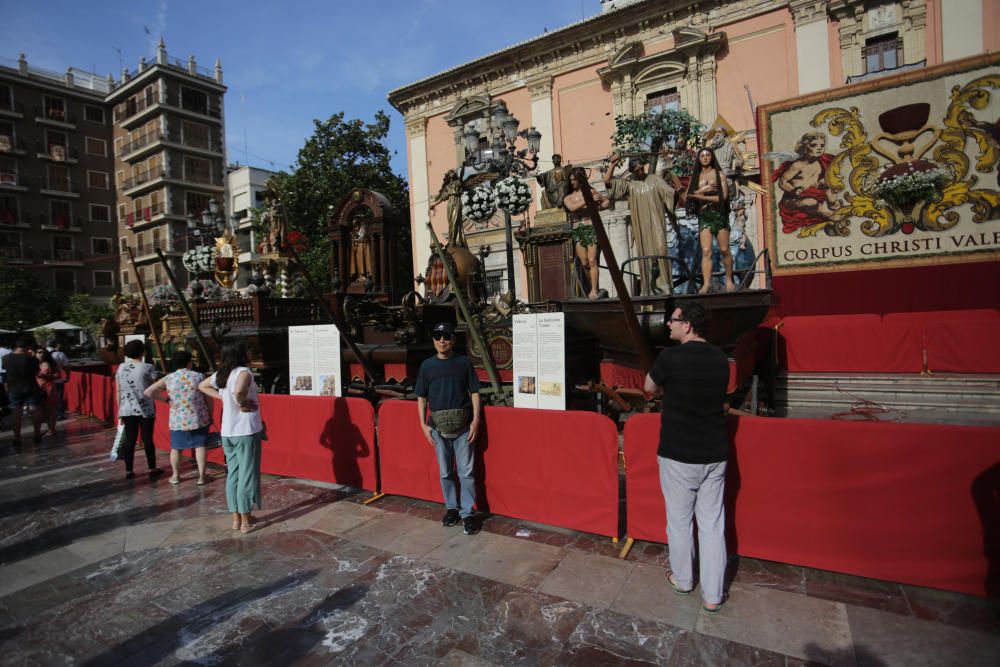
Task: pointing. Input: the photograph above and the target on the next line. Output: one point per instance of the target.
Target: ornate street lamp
(504, 159)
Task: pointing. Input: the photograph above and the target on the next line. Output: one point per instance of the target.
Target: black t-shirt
(22, 369)
(694, 377)
(447, 383)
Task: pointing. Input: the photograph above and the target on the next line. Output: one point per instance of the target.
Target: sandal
(236, 524)
(712, 610)
(248, 528)
(673, 584)
(202, 481)
(175, 480)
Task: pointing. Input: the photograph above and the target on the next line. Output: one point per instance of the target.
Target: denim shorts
(21, 398)
(189, 439)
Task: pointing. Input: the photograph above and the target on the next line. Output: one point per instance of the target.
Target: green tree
(82, 312)
(339, 156)
(27, 300)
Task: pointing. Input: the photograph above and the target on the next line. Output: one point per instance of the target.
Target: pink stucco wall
(991, 25)
(582, 116)
(837, 77)
(440, 158)
(932, 33)
(766, 62)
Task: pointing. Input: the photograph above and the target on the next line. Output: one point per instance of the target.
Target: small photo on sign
(303, 383)
(328, 385)
(551, 388)
(526, 384)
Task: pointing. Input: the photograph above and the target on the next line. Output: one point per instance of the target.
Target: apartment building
(91, 167)
(245, 187)
(169, 148)
(56, 178)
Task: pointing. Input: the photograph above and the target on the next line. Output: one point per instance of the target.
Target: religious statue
(555, 183)
(226, 258)
(451, 190)
(275, 226)
(361, 250)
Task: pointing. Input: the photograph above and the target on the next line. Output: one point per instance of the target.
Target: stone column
(812, 46)
(541, 117)
(416, 132)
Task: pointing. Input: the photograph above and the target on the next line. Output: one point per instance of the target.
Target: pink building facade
(717, 61)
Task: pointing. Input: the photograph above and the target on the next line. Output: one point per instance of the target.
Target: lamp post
(210, 225)
(504, 159)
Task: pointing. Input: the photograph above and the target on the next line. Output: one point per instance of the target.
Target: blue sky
(293, 60)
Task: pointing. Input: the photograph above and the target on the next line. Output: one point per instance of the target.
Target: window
(56, 145)
(197, 169)
(154, 203)
(8, 171)
(62, 247)
(118, 145)
(103, 279)
(97, 180)
(195, 202)
(100, 213)
(101, 246)
(157, 274)
(65, 280)
(663, 100)
(121, 212)
(123, 244)
(55, 108)
(6, 136)
(97, 147)
(195, 135)
(883, 52)
(58, 178)
(93, 114)
(10, 245)
(9, 210)
(61, 215)
(194, 100)
(125, 278)
(6, 98)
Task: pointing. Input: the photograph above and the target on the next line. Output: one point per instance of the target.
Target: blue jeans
(456, 453)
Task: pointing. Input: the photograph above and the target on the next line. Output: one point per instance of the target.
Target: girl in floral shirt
(190, 414)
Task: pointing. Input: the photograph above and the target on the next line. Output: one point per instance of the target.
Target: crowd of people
(33, 379)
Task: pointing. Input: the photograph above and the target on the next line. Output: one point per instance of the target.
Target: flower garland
(165, 297)
(513, 195)
(200, 259)
(918, 181)
(479, 203)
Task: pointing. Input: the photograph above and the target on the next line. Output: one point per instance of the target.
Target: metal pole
(145, 308)
(366, 364)
(464, 309)
(509, 237)
(187, 310)
(639, 341)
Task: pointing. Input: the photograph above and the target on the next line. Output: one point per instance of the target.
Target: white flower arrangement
(200, 259)
(513, 195)
(164, 296)
(903, 187)
(479, 203)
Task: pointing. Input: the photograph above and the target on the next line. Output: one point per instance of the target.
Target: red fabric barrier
(912, 503)
(530, 464)
(964, 347)
(308, 437)
(91, 391)
(905, 335)
(841, 343)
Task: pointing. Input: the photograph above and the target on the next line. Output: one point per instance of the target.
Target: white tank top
(235, 422)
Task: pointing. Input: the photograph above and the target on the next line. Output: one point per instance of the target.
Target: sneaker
(450, 518)
(470, 525)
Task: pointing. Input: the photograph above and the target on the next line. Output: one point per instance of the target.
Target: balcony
(13, 181)
(12, 146)
(14, 254)
(55, 117)
(57, 152)
(64, 256)
(12, 218)
(149, 214)
(201, 144)
(61, 223)
(175, 102)
(142, 179)
(140, 147)
(131, 111)
(60, 187)
(12, 109)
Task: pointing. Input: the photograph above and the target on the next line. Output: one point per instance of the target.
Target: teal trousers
(243, 478)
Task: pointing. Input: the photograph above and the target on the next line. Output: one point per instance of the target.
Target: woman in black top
(709, 191)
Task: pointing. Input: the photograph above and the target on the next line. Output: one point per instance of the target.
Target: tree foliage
(26, 300)
(339, 156)
(82, 312)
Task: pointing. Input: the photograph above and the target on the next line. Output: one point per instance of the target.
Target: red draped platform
(913, 503)
(557, 468)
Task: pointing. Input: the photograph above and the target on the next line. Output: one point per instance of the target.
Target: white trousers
(693, 489)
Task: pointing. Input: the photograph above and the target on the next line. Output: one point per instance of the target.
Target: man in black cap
(449, 384)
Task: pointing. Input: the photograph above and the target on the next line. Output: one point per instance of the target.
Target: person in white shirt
(242, 431)
(55, 348)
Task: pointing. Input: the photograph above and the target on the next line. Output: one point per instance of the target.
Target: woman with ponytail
(241, 432)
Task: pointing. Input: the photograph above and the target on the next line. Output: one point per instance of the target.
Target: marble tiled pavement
(96, 569)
